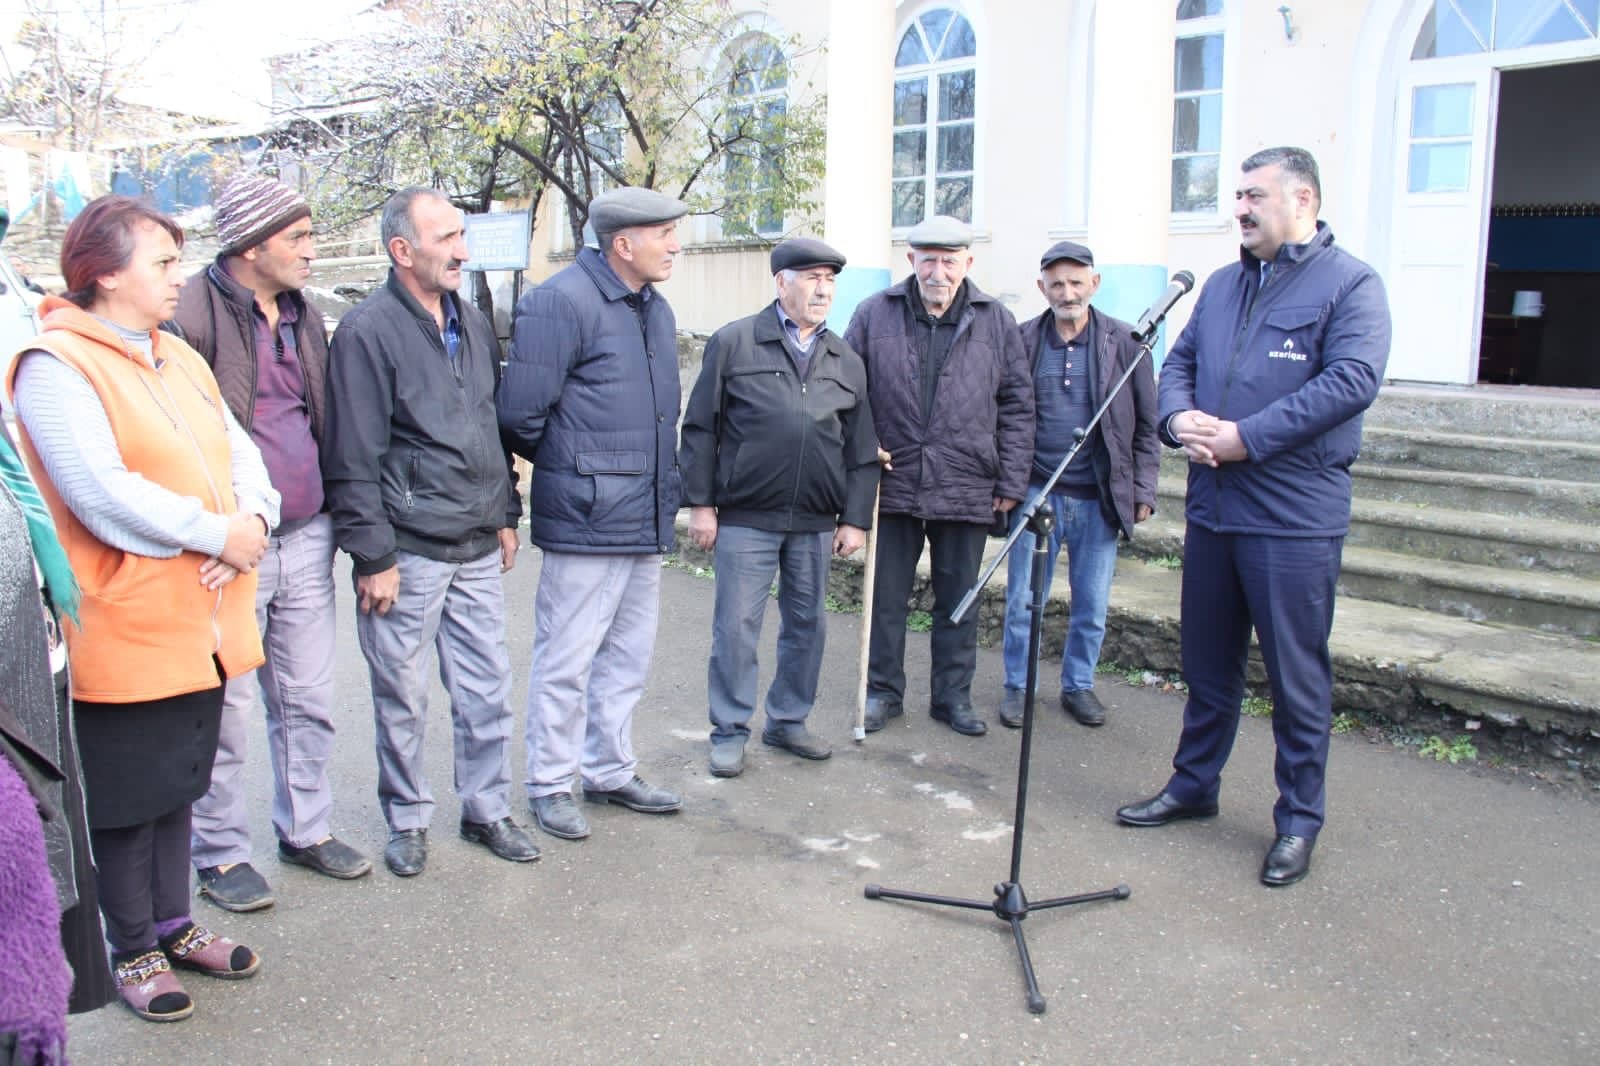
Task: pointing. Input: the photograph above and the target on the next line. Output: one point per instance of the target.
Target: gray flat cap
(1071, 251)
(632, 206)
(802, 253)
(940, 231)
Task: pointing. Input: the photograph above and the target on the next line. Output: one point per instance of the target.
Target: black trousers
(143, 878)
(957, 553)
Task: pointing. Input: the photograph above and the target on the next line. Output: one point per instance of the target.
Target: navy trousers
(1284, 587)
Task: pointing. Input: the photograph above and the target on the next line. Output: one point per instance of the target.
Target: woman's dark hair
(100, 242)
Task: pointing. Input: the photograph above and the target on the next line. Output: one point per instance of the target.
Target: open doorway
(1542, 277)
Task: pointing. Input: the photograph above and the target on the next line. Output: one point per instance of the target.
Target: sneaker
(194, 947)
(331, 858)
(559, 816)
(235, 888)
(151, 990)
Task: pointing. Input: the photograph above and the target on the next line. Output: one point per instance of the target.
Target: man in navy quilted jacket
(1264, 391)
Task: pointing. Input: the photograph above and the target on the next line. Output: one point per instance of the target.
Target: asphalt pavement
(1450, 914)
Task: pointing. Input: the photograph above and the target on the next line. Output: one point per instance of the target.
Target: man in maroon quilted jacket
(952, 401)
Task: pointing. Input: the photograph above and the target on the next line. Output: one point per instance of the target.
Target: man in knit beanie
(269, 350)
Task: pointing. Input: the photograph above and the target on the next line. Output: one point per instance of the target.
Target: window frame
(930, 73)
(1223, 25)
(762, 95)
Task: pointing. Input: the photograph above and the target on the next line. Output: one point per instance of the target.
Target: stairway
(1471, 578)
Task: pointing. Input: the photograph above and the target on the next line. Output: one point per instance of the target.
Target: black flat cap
(633, 206)
(803, 253)
(1069, 250)
(940, 231)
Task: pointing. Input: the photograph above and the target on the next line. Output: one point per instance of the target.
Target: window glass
(1198, 9)
(935, 146)
(1441, 111)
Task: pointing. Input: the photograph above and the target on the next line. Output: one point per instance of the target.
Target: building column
(859, 151)
(1130, 152)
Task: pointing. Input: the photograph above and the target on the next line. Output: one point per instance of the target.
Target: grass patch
(1459, 750)
(1256, 707)
(1345, 722)
(1167, 562)
(834, 605)
(919, 622)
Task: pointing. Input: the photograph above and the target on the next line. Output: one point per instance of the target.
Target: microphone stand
(1010, 903)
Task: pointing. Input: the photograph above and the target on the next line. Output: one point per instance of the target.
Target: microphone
(1182, 282)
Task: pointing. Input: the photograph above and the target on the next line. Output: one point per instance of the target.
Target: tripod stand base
(1010, 905)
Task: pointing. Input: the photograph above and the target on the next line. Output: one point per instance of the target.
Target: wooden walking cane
(868, 577)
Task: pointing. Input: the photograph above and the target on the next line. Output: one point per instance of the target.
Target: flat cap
(802, 253)
(1069, 250)
(633, 206)
(940, 231)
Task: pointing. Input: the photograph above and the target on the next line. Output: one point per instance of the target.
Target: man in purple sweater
(269, 350)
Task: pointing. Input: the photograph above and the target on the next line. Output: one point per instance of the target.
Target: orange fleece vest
(148, 627)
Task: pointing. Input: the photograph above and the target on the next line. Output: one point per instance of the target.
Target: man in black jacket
(779, 464)
(424, 500)
(1077, 355)
(269, 351)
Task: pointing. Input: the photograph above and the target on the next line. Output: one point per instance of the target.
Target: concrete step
(1571, 501)
(1474, 538)
(1560, 460)
(1508, 411)
(1501, 592)
(1388, 659)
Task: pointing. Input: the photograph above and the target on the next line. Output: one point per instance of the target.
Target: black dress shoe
(879, 710)
(1288, 861)
(638, 795)
(1162, 808)
(1085, 706)
(961, 719)
(796, 739)
(505, 838)
(407, 852)
(331, 858)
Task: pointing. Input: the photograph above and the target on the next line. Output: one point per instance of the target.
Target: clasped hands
(1207, 439)
(244, 548)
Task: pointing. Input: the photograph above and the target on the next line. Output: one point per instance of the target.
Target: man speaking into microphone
(1264, 391)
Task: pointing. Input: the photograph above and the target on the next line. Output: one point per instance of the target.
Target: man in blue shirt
(1078, 354)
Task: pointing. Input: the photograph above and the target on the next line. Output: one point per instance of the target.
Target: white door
(1445, 124)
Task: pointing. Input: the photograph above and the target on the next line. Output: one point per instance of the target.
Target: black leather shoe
(1085, 706)
(505, 838)
(407, 852)
(559, 816)
(879, 710)
(1161, 809)
(638, 795)
(1288, 861)
(1011, 708)
(961, 719)
(795, 738)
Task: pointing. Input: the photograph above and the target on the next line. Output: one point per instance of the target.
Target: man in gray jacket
(779, 468)
(269, 352)
(590, 396)
(424, 501)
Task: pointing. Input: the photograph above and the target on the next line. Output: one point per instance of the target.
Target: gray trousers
(594, 632)
(746, 562)
(295, 610)
(459, 609)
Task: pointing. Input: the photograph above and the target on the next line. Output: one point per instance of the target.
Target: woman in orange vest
(163, 506)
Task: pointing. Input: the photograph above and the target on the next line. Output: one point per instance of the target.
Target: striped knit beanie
(252, 207)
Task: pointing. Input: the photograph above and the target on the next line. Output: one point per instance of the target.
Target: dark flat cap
(633, 206)
(1069, 250)
(803, 253)
(940, 231)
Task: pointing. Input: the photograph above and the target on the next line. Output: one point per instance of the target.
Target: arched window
(1197, 106)
(935, 118)
(758, 103)
(1467, 27)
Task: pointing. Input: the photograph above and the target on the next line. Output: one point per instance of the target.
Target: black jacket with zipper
(770, 450)
(412, 458)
